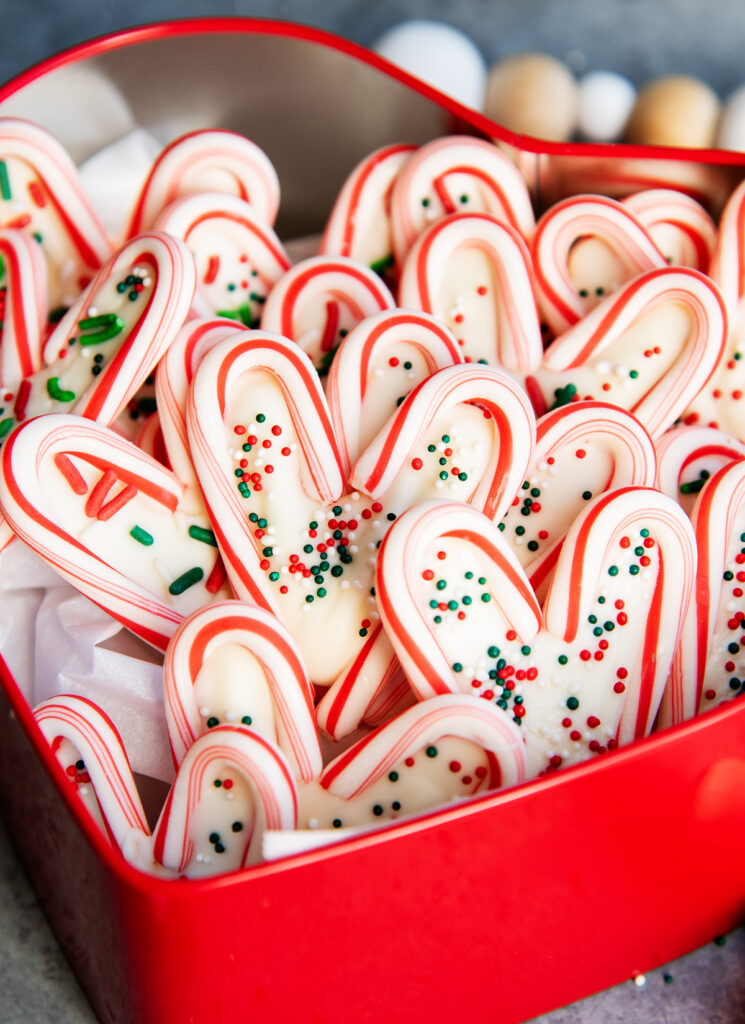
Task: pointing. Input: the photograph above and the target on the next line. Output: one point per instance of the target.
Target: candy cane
(108, 519)
(41, 193)
(457, 173)
(709, 667)
(727, 264)
(359, 223)
(208, 161)
(648, 348)
(581, 451)
(462, 617)
(149, 439)
(678, 225)
(320, 300)
(90, 749)
(230, 787)
(376, 366)
(688, 456)
(559, 236)
(173, 376)
(218, 645)
(23, 306)
(239, 257)
(474, 274)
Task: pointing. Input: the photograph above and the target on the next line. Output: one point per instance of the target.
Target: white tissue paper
(55, 641)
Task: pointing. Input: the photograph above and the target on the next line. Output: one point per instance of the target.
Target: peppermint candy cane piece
(376, 366)
(149, 439)
(239, 258)
(318, 302)
(727, 264)
(359, 223)
(236, 386)
(112, 337)
(581, 450)
(585, 248)
(648, 348)
(173, 376)
(231, 662)
(437, 751)
(41, 193)
(108, 519)
(231, 786)
(492, 460)
(689, 456)
(88, 746)
(709, 666)
(678, 225)
(23, 306)
(452, 174)
(474, 274)
(588, 674)
(208, 161)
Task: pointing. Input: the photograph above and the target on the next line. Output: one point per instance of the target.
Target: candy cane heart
(23, 307)
(208, 161)
(231, 786)
(439, 750)
(110, 340)
(688, 456)
(583, 249)
(359, 223)
(238, 256)
(108, 518)
(582, 450)
(318, 302)
(709, 665)
(457, 174)
(233, 662)
(89, 748)
(173, 376)
(41, 193)
(677, 224)
(648, 348)
(376, 366)
(583, 678)
(473, 273)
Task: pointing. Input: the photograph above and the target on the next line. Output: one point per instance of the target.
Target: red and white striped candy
(173, 376)
(583, 677)
(107, 517)
(359, 224)
(149, 439)
(88, 746)
(677, 223)
(23, 297)
(208, 161)
(457, 174)
(728, 259)
(41, 193)
(231, 786)
(473, 273)
(231, 662)
(320, 300)
(239, 258)
(709, 665)
(585, 248)
(688, 456)
(581, 450)
(376, 366)
(437, 751)
(648, 348)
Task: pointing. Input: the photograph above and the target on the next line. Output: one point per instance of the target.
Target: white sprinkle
(199, 858)
(312, 822)
(377, 372)
(271, 496)
(640, 981)
(439, 484)
(355, 495)
(229, 796)
(83, 791)
(92, 311)
(353, 549)
(204, 712)
(345, 584)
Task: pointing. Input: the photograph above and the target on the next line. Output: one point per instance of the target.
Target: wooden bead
(674, 111)
(533, 94)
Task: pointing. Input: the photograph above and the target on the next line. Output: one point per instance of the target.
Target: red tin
(497, 911)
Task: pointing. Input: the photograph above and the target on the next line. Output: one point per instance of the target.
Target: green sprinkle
(613, 570)
(186, 580)
(446, 438)
(587, 495)
(309, 598)
(457, 667)
(393, 776)
(247, 720)
(441, 584)
(141, 536)
(102, 328)
(633, 374)
(212, 722)
(482, 580)
(336, 822)
(201, 533)
(486, 598)
(377, 810)
(431, 751)
(493, 652)
(5, 426)
(469, 575)
(378, 266)
(525, 650)
(692, 486)
(57, 393)
(634, 570)
(274, 576)
(562, 659)
(4, 181)
(572, 703)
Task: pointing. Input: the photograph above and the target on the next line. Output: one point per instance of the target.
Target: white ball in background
(606, 100)
(440, 55)
(731, 134)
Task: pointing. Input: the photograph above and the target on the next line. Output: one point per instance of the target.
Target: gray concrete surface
(636, 37)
